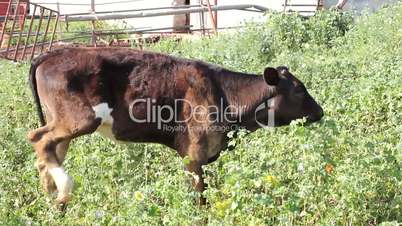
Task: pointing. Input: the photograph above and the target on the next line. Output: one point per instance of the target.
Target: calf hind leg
(51, 149)
(46, 178)
(61, 149)
(49, 163)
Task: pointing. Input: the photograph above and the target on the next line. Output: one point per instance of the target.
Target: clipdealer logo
(165, 114)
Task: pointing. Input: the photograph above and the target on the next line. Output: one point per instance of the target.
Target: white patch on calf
(103, 112)
(63, 182)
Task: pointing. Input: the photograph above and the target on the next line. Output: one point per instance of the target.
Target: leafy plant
(344, 170)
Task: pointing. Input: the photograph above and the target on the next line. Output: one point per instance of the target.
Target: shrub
(344, 170)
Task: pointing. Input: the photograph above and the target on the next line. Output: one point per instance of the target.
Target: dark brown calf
(138, 96)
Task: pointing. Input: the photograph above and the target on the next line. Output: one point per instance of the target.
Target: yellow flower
(222, 206)
(329, 168)
(138, 196)
(272, 180)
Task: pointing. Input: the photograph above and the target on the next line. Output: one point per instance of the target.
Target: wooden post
(202, 23)
(216, 14)
(93, 24)
(341, 4)
(181, 22)
(320, 5)
(59, 24)
(285, 5)
(212, 17)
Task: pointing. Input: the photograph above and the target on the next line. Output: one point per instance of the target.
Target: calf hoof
(61, 202)
(61, 206)
(65, 190)
(202, 201)
(62, 199)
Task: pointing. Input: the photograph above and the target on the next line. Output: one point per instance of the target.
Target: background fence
(28, 29)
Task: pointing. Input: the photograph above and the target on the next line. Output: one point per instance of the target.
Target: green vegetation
(80, 32)
(76, 32)
(344, 170)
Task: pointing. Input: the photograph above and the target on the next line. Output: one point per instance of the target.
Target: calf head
(290, 99)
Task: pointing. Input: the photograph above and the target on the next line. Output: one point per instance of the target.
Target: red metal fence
(25, 34)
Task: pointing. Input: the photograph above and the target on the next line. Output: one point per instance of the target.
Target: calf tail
(32, 83)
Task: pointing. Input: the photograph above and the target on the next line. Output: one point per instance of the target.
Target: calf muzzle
(316, 116)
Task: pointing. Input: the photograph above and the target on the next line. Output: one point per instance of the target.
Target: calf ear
(271, 76)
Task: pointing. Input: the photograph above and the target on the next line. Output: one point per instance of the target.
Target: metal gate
(25, 29)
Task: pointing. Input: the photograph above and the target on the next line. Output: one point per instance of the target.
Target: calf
(137, 96)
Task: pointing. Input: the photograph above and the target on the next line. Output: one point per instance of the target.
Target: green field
(344, 170)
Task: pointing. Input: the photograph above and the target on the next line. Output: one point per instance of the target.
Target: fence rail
(113, 15)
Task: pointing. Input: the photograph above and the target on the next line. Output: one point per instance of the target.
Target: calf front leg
(195, 168)
(197, 156)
